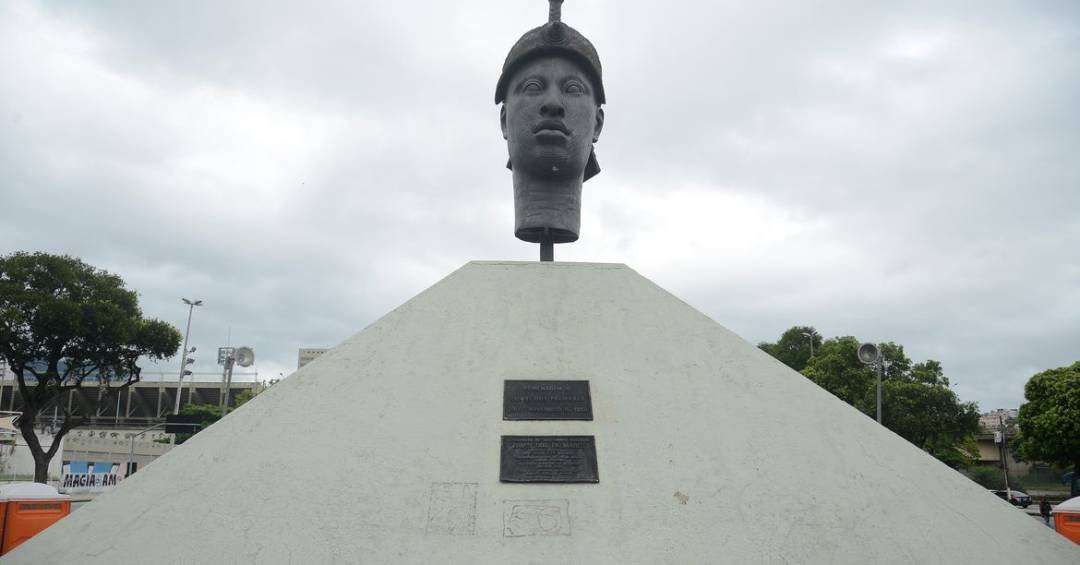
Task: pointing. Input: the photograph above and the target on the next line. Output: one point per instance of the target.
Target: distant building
(990, 439)
(97, 459)
(141, 404)
(308, 354)
(992, 420)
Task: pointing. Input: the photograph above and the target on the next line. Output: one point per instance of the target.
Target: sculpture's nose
(552, 108)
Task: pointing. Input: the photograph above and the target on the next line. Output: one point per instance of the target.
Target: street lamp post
(871, 356)
(184, 359)
(811, 338)
(131, 452)
(884, 366)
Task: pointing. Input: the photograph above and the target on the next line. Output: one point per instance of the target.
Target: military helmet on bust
(552, 38)
(555, 39)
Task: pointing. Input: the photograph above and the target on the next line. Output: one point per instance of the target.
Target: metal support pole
(184, 354)
(547, 246)
(1003, 448)
(228, 389)
(131, 452)
(224, 374)
(810, 337)
(881, 370)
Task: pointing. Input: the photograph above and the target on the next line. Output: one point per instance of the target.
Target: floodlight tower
(243, 356)
(184, 359)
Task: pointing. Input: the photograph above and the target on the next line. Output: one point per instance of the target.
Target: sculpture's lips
(551, 125)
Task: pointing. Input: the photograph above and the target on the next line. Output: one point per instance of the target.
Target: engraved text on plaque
(547, 400)
(548, 459)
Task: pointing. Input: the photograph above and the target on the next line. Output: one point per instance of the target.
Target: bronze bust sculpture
(551, 88)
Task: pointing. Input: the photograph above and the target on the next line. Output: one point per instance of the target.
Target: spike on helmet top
(552, 38)
(558, 39)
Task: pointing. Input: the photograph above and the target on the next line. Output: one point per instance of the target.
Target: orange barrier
(29, 508)
(1067, 519)
(1068, 525)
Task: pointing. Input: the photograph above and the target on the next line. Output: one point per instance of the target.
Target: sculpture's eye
(532, 85)
(574, 87)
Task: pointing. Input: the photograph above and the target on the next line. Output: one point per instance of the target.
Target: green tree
(65, 325)
(207, 414)
(210, 413)
(1050, 419)
(917, 403)
(930, 373)
(794, 346)
(897, 364)
(991, 477)
(250, 393)
(836, 368)
(244, 396)
(931, 417)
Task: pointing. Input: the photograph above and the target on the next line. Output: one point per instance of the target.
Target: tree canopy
(917, 403)
(207, 414)
(794, 346)
(64, 323)
(1050, 419)
(210, 413)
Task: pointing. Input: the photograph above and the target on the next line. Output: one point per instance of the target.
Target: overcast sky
(904, 171)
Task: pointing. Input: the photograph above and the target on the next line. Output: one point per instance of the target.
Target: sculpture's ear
(502, 121)
(599, 124)
(592, 167)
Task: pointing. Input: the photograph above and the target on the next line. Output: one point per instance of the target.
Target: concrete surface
(709, 451)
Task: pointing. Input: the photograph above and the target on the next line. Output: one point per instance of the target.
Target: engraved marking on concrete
(682, 498)
(452, 509)
(524, 518)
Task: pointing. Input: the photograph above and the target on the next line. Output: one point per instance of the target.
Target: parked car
(1020, 499)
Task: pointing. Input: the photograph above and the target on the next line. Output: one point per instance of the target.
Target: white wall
(88, 444)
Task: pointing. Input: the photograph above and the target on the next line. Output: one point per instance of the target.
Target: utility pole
(1004, 449)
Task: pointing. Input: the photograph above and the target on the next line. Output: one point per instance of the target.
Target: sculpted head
(551, 119)
(551, 88)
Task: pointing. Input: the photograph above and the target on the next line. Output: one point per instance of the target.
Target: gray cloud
(896, 172)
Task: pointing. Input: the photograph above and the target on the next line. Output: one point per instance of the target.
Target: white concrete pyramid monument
(387, 450)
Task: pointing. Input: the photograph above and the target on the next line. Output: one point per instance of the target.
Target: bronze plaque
(548, 459)
(547, 400)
